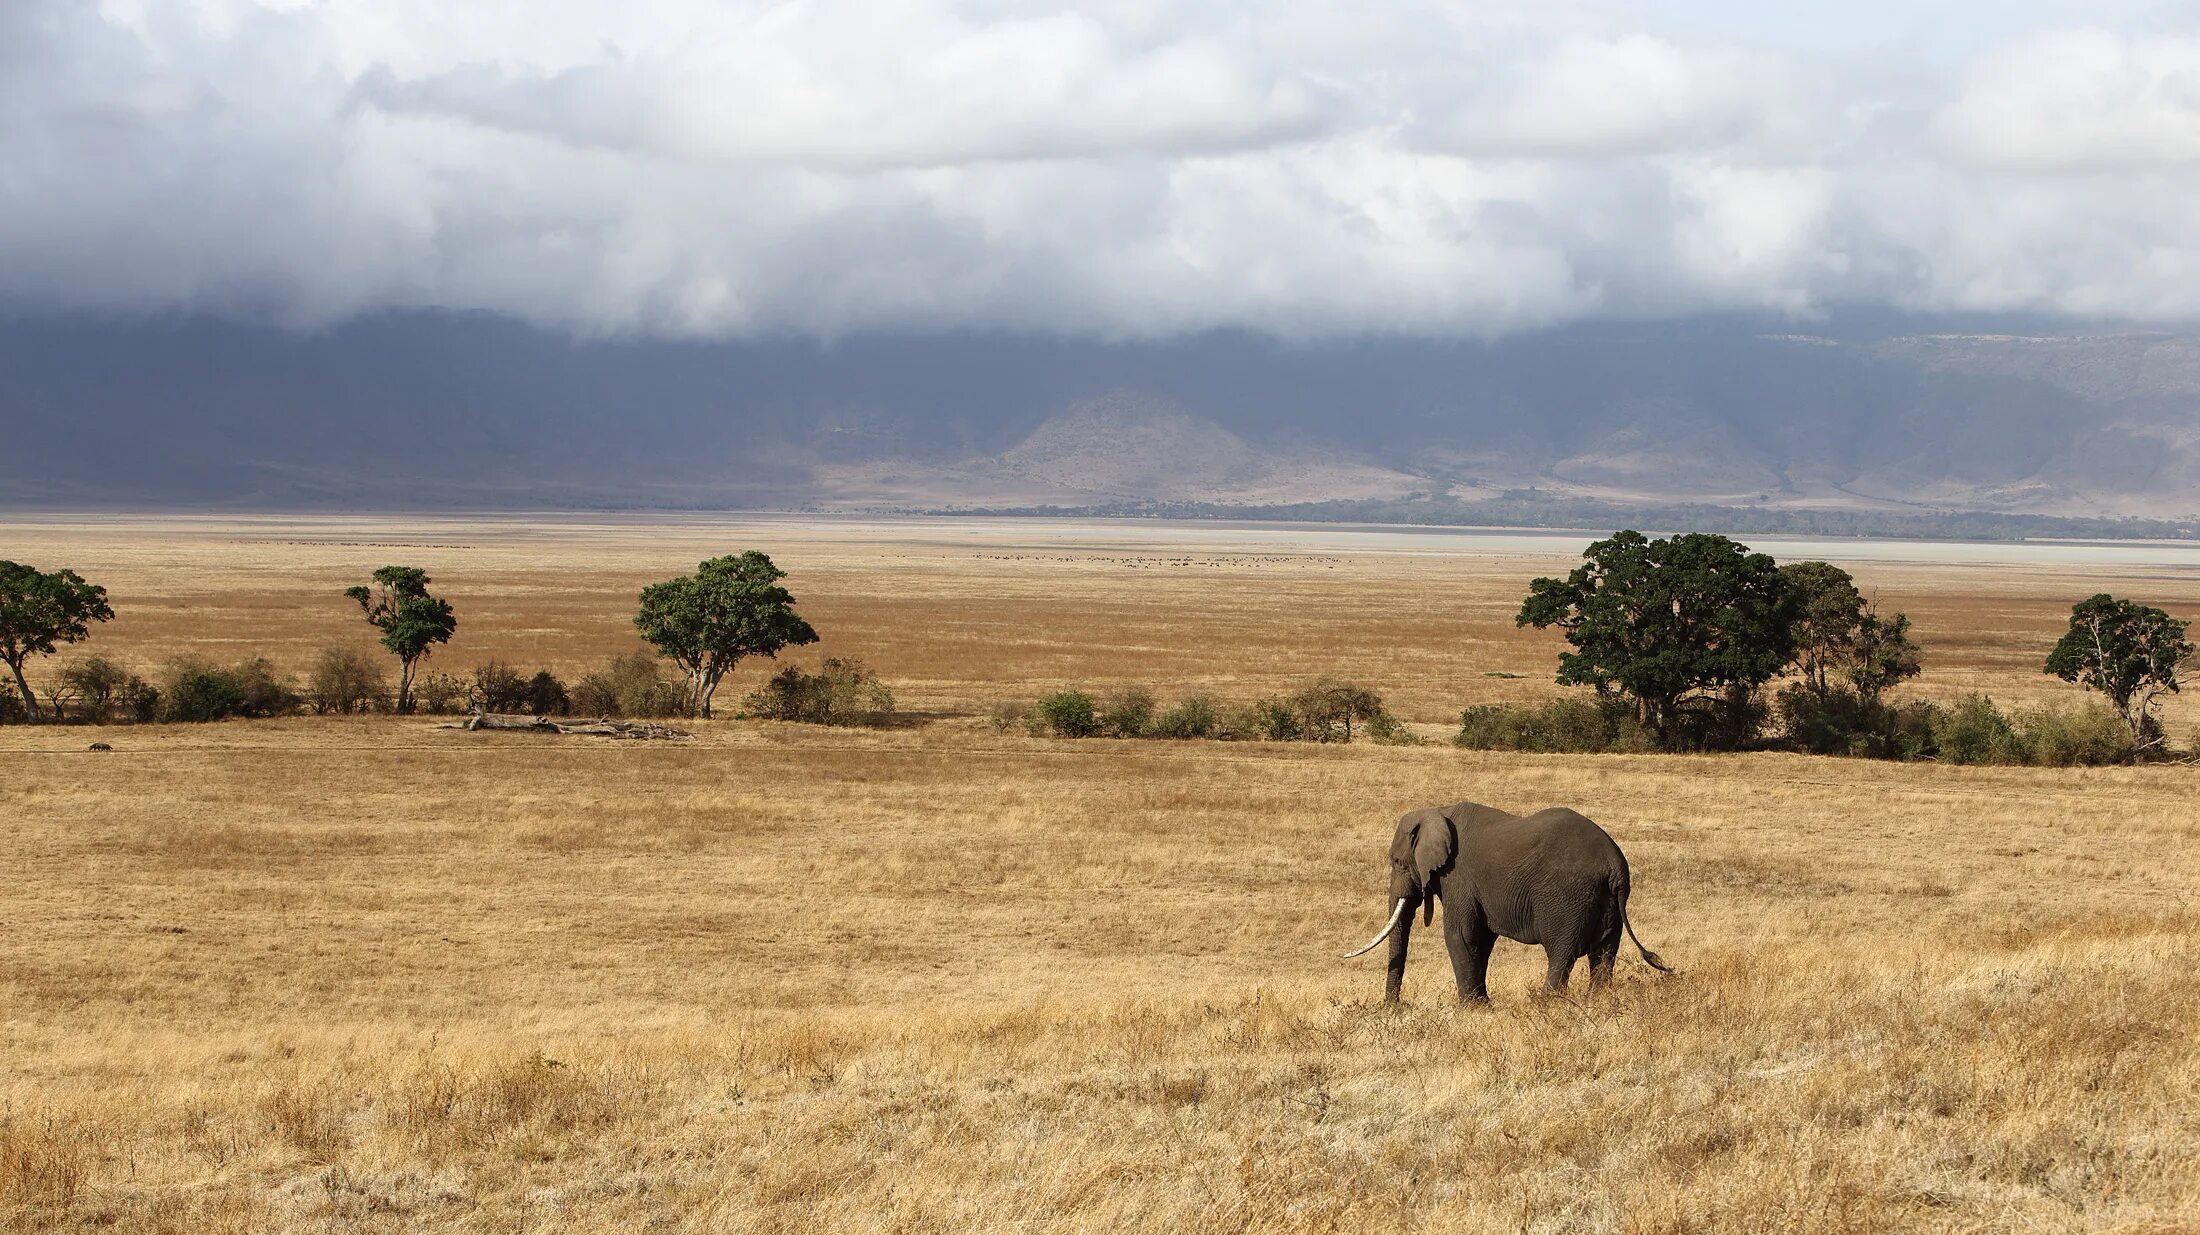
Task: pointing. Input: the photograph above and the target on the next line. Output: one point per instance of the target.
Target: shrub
(346, 679)
(1127, 714)
(1913, 730)
(1975, 731)
(139, 700)
(1328, 707)
(11, 709)
(97, 683)
(628, 686)
(1265, 720)
(1562, 726)
(841, 692)
(1196, 716)
(2089, 735)
(546, 695)
(439, 694)
(496, 687)
(197, 691)
(1006, 716)
(1065, 714)
(1383, 729)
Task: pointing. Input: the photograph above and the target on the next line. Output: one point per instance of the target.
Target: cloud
(1130, 169)
(2079, 101)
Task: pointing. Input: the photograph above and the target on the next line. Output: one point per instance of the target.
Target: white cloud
(1130, 169)
(2079, 101)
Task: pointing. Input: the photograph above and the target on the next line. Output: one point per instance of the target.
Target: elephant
(1552, 877)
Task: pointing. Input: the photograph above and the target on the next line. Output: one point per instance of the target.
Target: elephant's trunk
(1388, 927)
(1394, 971)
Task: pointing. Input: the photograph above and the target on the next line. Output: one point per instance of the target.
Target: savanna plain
(370, 974)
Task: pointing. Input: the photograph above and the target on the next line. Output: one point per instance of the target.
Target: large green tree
(40, 610)
(2127, 651)
(731, 608)
(1670, 624)
(412, 621)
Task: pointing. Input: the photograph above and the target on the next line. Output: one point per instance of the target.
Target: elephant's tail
(1647, 954)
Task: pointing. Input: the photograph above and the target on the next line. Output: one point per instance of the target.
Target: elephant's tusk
(1395, 914)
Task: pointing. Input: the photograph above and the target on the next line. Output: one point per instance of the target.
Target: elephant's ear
(1433, 845)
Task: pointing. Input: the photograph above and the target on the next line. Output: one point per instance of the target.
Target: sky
(1120, 171)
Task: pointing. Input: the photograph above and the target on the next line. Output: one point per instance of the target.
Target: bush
(1328, 707)
(1007, 716)
(97, 683)
(841, 692)
(1975, 731)
(11, 708)
(497, 687)
(1265, 720)
(347, 679)
(630, 687)
(139, 700)
(1065, 714)
(2088, 735)
(197, 691)
(1383, 729)
(439, 694)
(546, 695)
(1127, 714)
(1197, 716)
(1562, 726)
(1913, 731)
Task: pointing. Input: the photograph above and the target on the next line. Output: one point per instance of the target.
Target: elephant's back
(1560, 829)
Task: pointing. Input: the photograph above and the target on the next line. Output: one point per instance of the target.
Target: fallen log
(629, 730)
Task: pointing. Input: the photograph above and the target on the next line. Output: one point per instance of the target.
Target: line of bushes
(1327, 711)
(347, 680)
(1972, 730)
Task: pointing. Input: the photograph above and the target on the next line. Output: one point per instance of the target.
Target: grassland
(368, 975)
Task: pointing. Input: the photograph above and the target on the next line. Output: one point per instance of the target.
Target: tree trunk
(404, 687)
(30, 700)
(704, 689)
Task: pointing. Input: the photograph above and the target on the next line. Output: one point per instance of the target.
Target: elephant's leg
(1470, 939)
(1560, 960)
(1603, 957)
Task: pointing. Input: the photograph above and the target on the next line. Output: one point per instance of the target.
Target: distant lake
(1249, 536)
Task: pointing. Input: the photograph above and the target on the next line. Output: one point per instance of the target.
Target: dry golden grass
(368, 975)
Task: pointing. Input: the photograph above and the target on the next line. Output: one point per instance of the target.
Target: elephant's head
(1421, 849)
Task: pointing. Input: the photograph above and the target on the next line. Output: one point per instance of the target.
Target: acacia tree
(708, 622)
(2127, 651)
(411, 620)
(1667, 622)
(1829, 612)
(1881, 656)
(41, 609)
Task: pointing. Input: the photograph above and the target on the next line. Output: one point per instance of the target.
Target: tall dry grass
(363, 974)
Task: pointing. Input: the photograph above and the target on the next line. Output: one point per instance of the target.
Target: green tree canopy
(2127, 651)
(39, 611)
(1667, 622)
(411, 620)
(706, 623)
(1828, 613)
(1881, 655)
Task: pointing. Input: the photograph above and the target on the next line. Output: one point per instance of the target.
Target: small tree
(1828, 612)
(1328, 707)
(731, 608)
(40, 610)
(411, 620)
(2128, 652)
(1882, 656)
(100, 683)
(1668, 623)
